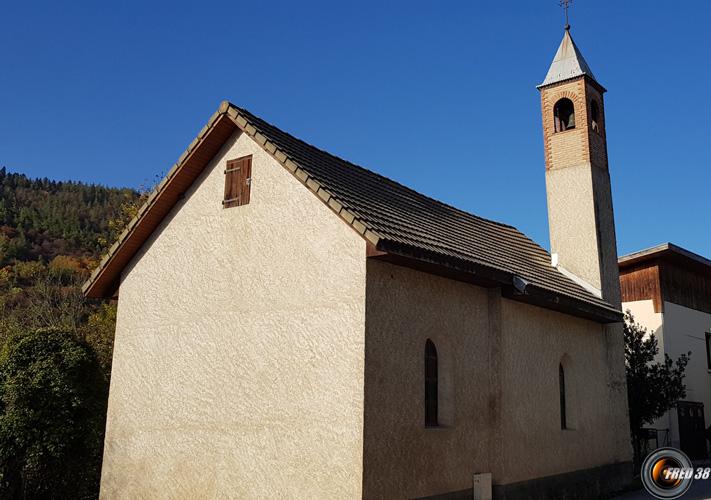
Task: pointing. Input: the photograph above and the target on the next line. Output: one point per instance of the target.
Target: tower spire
(568, 63)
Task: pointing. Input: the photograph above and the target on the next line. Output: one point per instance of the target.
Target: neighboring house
(292, 325)
(668, 290)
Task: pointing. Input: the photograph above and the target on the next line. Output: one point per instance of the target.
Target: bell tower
(580, 214)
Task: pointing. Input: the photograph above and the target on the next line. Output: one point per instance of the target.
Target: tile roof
(392, 217)
(410, 221)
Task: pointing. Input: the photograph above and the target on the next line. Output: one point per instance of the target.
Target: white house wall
(679, 330)
(239, 351)
(685, 331)
(535, 342)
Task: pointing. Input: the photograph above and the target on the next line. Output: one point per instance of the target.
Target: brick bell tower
(580, 215)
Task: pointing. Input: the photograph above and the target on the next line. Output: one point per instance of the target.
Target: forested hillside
(41, 219)
(55, 346)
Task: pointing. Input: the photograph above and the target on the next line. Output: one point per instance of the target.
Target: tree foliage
(52, 407)
(653, 386)
(55, 346)
(41, 218)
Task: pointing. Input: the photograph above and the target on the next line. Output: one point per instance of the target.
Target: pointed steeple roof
(568, 63)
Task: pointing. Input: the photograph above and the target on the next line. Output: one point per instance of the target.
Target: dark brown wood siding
(686, 286)
(642, 282)
(667, 279)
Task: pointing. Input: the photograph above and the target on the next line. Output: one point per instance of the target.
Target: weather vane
(566, 4)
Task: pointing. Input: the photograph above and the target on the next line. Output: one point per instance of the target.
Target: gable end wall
(224, 314)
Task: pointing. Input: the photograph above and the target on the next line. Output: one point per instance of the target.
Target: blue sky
(438, 95)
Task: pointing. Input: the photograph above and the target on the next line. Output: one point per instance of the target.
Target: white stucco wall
(573, 232)
(498, 385)
(239, 351)
(403, 458)
(643, 313)
(535, 341)
(685, 331)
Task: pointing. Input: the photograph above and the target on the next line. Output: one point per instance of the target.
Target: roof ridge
(528, 240)
(371, 172)
(416, 197)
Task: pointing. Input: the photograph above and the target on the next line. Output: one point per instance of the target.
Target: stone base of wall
(588, 484)
(596, 483)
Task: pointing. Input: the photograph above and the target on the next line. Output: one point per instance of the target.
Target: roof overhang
(489, 277)
(594, 83)
(105, 280)
(668, 252)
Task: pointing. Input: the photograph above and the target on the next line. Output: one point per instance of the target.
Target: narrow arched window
(561, 386)
(594, 116)
(430, 384)
(564, 115)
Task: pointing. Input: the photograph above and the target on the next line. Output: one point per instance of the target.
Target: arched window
(594, 116)
(564, 114)
(430, 384)
(561, 386)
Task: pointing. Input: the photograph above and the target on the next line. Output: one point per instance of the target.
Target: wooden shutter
(238, 179)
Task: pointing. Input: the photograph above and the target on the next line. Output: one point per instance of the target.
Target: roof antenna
(566, 4)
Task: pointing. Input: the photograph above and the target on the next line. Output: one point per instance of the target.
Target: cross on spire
(566, 5)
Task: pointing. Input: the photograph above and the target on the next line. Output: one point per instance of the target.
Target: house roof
(568, 63)
(394, 219)
(668, 251)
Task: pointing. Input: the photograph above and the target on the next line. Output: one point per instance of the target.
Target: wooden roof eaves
(107, 275)
(104, 272)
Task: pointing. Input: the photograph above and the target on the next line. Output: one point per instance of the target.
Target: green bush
(52, 409)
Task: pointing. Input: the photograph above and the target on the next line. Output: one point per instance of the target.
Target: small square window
(238, 180)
